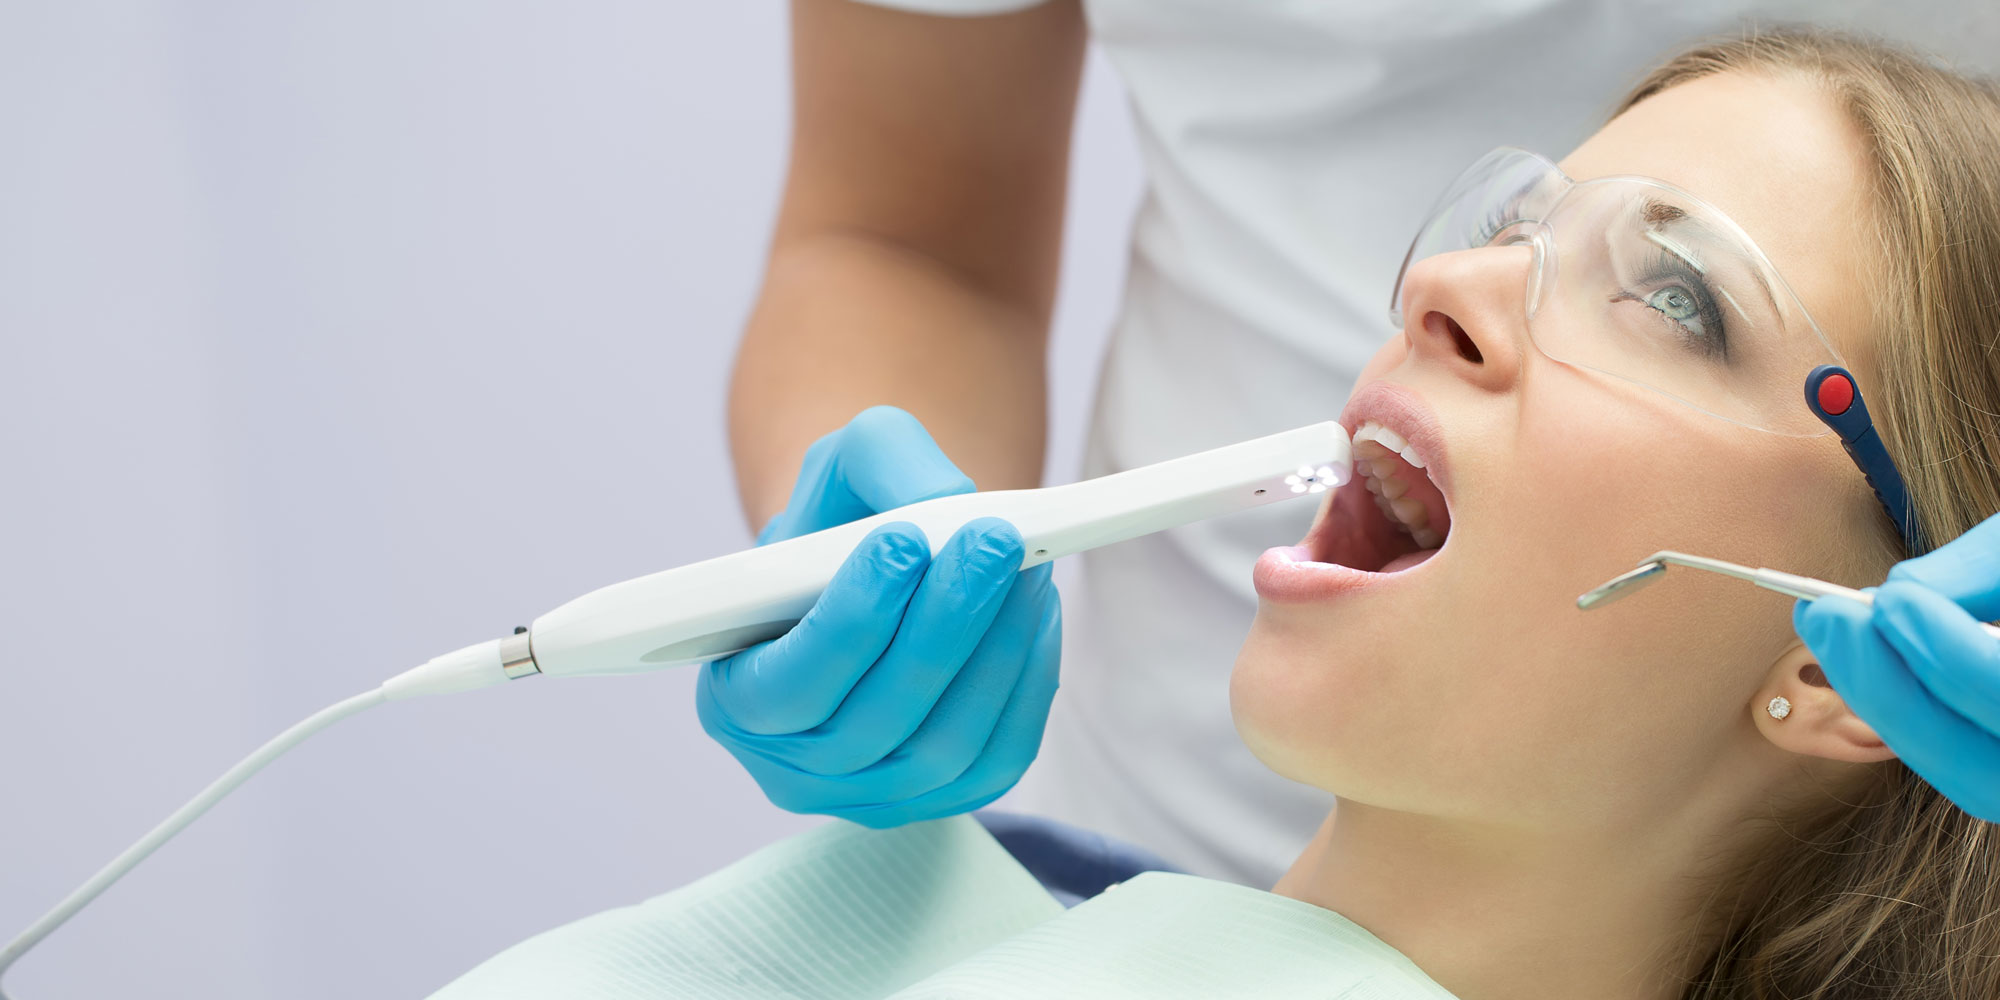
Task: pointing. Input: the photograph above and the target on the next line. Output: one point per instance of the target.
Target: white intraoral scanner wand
(710, 609)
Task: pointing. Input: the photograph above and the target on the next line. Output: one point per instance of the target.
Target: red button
(1836, 394)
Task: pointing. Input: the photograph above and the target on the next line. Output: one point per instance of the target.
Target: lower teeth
(1425, 536)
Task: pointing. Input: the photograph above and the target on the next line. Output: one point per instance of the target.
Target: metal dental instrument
(1804, 588)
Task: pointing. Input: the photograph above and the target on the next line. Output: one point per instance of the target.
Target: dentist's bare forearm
(847, 321)
(914, 258)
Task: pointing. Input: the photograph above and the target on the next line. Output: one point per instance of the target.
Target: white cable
(209, 796)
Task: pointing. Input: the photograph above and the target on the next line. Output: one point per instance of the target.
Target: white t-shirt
(1291, 149)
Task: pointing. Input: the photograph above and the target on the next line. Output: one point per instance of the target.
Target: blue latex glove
(916, 687)
(1918, 668)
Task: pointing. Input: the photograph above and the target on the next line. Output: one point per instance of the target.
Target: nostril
(1459, 338)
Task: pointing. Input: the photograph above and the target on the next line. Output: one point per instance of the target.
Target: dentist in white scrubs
(1291, 147)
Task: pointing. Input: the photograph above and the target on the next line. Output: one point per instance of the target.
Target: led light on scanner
(706, 610)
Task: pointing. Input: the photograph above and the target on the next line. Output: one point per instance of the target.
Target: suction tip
(1621, 585)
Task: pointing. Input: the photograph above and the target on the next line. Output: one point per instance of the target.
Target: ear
(1820, 723)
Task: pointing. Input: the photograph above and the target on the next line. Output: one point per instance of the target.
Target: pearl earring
(1779, 708)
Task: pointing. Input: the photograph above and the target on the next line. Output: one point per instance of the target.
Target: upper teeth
(1374, 442)
(1372, 431)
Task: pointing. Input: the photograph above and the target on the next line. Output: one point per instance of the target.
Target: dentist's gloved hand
(1918, 668)
(916, 687)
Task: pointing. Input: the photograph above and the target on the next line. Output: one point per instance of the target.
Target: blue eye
(1683, 298)
(1676, 304)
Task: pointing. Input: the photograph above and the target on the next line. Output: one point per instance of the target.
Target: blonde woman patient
(1664, 798)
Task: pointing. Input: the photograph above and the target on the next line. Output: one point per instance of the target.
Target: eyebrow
(1659, 214)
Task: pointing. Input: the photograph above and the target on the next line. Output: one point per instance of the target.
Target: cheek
(1613, 484)
(1658, 680)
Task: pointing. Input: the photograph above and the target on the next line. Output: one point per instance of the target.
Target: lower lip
(1287, 574)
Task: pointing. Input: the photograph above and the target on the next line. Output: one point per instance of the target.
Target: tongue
(1403, 562)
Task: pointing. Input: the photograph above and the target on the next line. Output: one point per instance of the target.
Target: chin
(1298, 704)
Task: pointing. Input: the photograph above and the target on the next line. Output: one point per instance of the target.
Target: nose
(1467, 311)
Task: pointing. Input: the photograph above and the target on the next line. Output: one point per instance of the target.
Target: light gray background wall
(336, 335)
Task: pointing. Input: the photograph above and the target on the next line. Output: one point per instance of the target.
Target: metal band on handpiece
(517, 655)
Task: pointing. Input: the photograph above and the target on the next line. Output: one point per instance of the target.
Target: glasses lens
(1653, 286)
(1640, 280)
(1487, 202)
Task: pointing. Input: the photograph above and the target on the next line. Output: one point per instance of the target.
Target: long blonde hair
(1896, 893)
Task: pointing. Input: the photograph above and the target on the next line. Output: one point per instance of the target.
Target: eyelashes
(1494, 222)
(1697, 316)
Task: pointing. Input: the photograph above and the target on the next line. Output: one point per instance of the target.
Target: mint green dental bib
(940, 910)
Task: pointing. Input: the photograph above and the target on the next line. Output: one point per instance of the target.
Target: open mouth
(1391, 517)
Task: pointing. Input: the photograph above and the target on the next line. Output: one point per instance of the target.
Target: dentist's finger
(1009, 753)
(1945, 648)
(882, 459)
(800, 510)
(1965, 569)
(1871, 677)
(950, 612)
(1013, 746)
(953, 737)
(1010, 747)
(796, 681)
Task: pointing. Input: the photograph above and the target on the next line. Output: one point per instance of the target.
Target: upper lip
(1399, 408)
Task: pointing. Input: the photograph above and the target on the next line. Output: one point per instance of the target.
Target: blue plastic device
(1836, 400)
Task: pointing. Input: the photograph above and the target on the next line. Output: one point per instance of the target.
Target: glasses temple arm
(1835, 398)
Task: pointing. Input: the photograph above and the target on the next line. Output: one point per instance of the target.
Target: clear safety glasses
(1641, 281)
